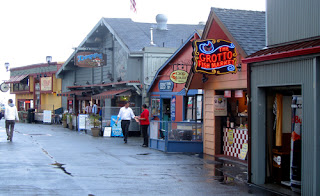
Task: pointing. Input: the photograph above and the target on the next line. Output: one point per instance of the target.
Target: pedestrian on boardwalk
(10, 115)
(126, 114)
(144, 123)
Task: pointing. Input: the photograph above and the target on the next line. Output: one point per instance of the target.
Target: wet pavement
(51, 160)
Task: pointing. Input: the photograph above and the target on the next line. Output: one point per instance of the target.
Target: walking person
(10, 115)
(126, 114)
(144, 123)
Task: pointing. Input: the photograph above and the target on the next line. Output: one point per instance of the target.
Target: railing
(176, 131)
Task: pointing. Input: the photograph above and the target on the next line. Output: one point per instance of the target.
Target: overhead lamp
(204, 78)
(7, 65)
(87, 82)
(49, 59)
(239, 67)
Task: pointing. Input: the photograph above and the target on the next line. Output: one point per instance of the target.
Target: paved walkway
(51, 160)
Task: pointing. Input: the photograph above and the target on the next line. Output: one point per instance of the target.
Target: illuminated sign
(89, 59)
(179, 76)
(214, 56)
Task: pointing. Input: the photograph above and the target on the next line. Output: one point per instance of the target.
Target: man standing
(144, 122)
(126, 114)
(11, 114)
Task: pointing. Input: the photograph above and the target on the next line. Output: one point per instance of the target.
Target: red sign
(227, 94)
(238, 93)
(214, 56)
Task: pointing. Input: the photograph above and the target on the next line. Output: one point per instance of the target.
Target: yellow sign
(244, 151)
(179, 76)
(46, 84)
(230, 137)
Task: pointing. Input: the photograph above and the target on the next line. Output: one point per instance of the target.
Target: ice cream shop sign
(89, 59)
(214, 56)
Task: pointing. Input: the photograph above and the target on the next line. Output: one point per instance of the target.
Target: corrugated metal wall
(299, 20)
(298, 72)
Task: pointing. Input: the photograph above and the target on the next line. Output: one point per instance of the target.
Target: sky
(34, 29)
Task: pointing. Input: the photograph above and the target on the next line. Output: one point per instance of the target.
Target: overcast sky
(34, 29)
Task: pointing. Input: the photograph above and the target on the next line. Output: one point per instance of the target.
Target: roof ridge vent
(161, 22)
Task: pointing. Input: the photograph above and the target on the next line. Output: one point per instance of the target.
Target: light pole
(49, 59)
(7, 65)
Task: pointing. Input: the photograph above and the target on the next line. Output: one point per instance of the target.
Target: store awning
(110, 94)
(17, 79)
(190, 92)
(75, 92)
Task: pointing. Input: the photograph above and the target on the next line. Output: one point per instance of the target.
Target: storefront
(176, 124)
(35, 87)
(218, 70)
(284, 101)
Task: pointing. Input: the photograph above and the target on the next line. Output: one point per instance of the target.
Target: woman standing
(144, 122)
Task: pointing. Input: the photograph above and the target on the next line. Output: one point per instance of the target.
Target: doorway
(280, 167)
(166, 109)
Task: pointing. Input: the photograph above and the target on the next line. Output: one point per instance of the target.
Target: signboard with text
(179, 76)
(116, 130)
(89, 59)
(46, 84)
(220, 105)
(214, 56)
(165, 85)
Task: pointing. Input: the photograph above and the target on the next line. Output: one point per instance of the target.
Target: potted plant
(94, 119)
(70, 121)
(64, 120)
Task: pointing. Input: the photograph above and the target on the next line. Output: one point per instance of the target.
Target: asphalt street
(51, 160)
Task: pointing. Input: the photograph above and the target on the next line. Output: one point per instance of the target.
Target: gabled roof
(172, 56)
(134, 36)
(248, 28)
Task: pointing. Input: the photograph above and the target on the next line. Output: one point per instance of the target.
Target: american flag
(133, 5)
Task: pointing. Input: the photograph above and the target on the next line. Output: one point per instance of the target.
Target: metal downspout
(249, 120)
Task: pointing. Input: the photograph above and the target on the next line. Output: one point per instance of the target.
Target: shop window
(193, 108)
(20, 87)
(155, 107)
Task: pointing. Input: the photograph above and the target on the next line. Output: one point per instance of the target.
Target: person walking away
(10, 115)
(144, 123)
(126, 114)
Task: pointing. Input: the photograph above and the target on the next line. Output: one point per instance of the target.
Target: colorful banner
(116, 128)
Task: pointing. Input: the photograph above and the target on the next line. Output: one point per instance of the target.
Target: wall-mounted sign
(165, 85)
(220, 105)
(230, 137)
(179, 76)
(89, 59)
(214, 56)
(173, 108)
(243, 151)
(46, 84)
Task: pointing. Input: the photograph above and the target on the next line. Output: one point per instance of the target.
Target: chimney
(161, 22)
(151, 37)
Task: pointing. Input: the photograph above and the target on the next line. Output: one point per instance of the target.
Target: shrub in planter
(70, 121)
(94, 119)
(64, 120)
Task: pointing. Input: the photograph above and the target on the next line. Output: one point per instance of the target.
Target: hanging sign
(179, 76)
(165, 85)
(46, 84)
(214, 56)
(89, 59)
(238, 93)
(227, 94)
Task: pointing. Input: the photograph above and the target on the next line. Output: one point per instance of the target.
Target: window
(20, 87)
(155, 107)
(193, 107)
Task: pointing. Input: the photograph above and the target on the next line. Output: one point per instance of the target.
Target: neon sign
(214, 56)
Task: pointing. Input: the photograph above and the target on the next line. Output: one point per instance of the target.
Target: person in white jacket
(10, 115)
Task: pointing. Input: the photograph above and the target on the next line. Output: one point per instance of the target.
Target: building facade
(36, 86)
(284, 97)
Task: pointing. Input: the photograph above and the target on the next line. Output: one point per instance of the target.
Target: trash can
(31, 115)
